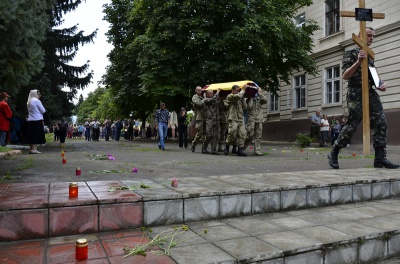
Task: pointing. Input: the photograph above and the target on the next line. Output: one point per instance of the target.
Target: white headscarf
(32, 94)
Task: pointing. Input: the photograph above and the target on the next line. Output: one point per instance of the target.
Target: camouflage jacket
(223, 109)
(198, 107)
(254, 108)
(349, 58)
(212, 108)
(235, 104)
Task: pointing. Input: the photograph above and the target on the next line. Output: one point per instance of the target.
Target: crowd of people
(93, 130)
(219, 121)
(326, 130)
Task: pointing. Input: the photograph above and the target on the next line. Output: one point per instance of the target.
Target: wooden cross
(362, 43)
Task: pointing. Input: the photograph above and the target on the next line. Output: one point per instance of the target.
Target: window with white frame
(332, 16)
(299, 91)
(273, 102)
(300, 20)
(332, 85)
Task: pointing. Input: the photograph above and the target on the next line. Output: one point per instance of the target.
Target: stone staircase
(330, 216)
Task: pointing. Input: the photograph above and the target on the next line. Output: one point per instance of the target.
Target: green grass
(142, 149)
(6, 177)
(4, 149)
(28, 163)
(49, 137)
(357, 157)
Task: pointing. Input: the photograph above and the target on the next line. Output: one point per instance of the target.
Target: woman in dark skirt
(35, 133)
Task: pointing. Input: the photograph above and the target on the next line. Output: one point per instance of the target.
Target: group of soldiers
(215, 115)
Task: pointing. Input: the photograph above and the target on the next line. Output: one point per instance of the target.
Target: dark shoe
(381, 161)
(241, 153)
(333, 158)
(205, 151)
(234, 149)
(226, 151)
(193, 148)
(159, 146)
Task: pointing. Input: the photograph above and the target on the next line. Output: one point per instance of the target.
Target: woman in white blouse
(325, 129)
(35, 134)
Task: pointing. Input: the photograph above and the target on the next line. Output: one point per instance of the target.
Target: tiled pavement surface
(365, 232)
(97, 209)
(341, 216)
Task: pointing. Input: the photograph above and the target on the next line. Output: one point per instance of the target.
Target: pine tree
(61, 47)
(23, 26)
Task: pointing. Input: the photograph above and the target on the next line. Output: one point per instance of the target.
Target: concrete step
(97, 209)
(363, 232)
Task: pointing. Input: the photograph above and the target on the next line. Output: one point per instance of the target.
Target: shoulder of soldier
(351, 52)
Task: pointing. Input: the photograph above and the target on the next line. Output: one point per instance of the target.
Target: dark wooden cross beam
(363, 15)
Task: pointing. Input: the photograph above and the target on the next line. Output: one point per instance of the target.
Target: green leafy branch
(164, 241)
(131, 188)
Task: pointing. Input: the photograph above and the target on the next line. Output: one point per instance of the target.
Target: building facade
(290, 112)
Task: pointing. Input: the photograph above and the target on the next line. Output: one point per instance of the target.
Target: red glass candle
(62, 153)
(64, 160)
(81, 249)
(174, 182)
(73, 190)
(78, 171)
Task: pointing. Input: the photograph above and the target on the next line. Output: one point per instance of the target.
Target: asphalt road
(152, 163)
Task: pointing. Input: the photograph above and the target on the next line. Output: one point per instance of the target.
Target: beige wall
(329, 51)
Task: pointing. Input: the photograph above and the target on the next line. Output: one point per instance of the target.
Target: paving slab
(285, 207)
(246, 239)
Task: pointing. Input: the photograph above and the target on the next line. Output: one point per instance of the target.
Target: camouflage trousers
(223, 126)
(236, 133)
(254, 130)
(378, 123)
(212, 135)
(200, 131)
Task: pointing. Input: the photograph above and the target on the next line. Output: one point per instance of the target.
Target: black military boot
(234, 149)
(204, 150)
(380, 160)
(333, 157)
(226, 151)
(240, 152)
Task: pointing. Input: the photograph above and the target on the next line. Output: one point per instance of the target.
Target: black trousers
(183, 136)
(96, 134)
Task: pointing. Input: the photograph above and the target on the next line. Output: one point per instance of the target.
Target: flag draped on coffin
(227, 87)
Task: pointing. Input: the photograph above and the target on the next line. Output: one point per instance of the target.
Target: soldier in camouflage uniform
(212, 121)
(254, 121)
(236, 130)
(223, 124)
(198, 108)
(352, 72)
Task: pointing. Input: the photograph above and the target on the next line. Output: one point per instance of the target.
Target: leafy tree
(80, 100)
(107, 107)
(23, 26)
(61, 46)
(122, 78)
(200, 42)
(88, 107)
(163, 49)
